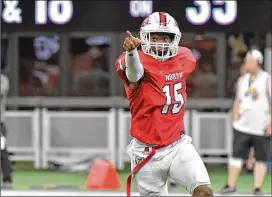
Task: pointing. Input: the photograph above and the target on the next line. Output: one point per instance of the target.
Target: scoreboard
(115, 15)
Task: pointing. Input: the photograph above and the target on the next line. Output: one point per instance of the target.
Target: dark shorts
(242, 142)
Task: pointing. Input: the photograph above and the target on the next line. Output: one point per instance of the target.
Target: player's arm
(236, 103)
(134, 68)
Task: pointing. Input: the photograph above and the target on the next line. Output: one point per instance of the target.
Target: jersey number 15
(179, 100)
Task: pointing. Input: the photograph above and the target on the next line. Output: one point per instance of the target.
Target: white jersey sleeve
(134, 67)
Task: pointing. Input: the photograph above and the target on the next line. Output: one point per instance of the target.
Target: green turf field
(25, 177)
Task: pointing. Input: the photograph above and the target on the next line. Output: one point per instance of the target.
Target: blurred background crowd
(90, 69)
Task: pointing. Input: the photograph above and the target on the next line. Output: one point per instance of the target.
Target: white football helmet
(160, 22)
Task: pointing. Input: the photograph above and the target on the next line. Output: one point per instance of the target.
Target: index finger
(129, 34)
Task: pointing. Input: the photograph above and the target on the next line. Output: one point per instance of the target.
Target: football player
(155, 83)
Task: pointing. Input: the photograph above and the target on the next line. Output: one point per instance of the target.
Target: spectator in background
(205, 74)
(30, 85)
(90, 69)
(204, 51)
(38, 66)
(6, 165)
(45, 68)
(251, 122)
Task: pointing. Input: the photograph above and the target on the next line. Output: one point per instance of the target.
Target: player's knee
(203, 190)
(236, 162)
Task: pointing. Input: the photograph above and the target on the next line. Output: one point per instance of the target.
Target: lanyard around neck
(250, 81)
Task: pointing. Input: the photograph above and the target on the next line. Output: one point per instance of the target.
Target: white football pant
(179, 161)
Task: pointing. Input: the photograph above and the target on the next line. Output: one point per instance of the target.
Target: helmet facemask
(161, 51)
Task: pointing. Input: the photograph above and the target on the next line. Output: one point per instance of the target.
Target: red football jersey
(157, 104)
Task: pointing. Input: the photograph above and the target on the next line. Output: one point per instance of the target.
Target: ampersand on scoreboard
(11, 12)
